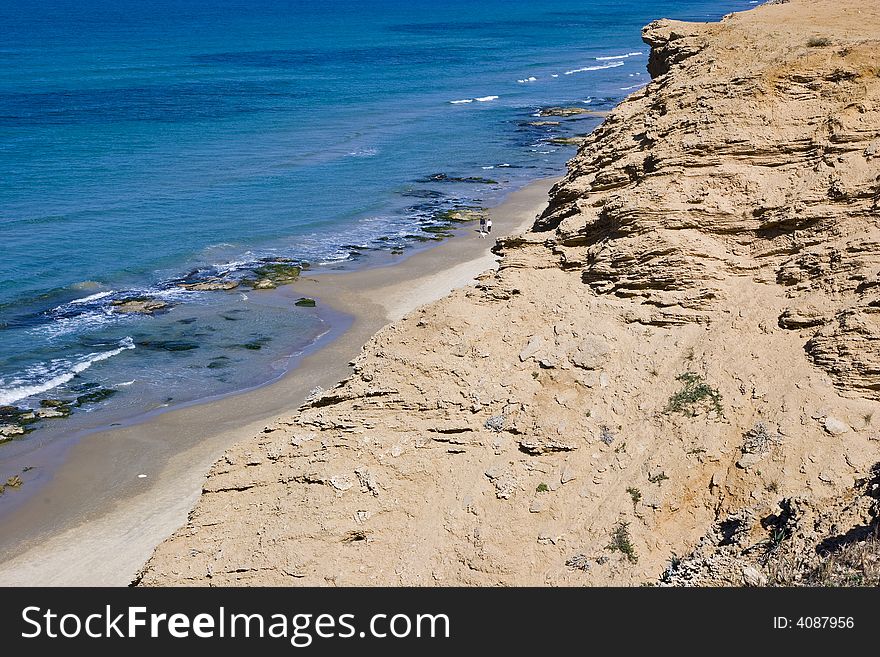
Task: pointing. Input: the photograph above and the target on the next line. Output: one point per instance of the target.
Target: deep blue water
(144, 140)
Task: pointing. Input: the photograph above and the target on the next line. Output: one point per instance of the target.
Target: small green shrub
(622, 542)
(694, 392)
(542, 488)
(635, 494)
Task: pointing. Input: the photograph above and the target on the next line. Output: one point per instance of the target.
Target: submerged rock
(442, 177)
(139, 305)
(462, 215)
(94, 396)
(169, 345)
(567, 141)
(305, 302)
(53, 408)
(279, 273)
(264, 284)
(568, 111)
(213, 285)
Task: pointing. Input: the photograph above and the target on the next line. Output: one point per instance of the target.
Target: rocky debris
(504, 481)
(835, 426)
(537, 446)
(367, 480)
(591, 352)
(212, 285)
(305, 302)
(139, 305)
(802, 318)
(753, 577)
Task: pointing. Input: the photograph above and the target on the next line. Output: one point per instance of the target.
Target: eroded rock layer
(687, 339)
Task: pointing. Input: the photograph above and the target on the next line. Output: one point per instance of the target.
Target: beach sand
(97, 521)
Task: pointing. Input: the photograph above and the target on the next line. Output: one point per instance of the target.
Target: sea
(147, 145)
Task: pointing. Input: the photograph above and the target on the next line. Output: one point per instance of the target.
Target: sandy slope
(722, 224)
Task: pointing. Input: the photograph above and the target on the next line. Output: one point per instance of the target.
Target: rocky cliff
(681, 358)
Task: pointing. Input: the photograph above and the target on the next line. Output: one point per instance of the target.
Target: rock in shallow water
(139, 305)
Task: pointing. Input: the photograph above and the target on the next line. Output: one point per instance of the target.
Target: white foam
(364, 152)
(527, 80)
(555, 75)
(610, 57)
(125, 384)
(92, 297)
(635, 86)
(12, 395)
(486, 99)
(486, 168)
(461, 102)
(61, 326)
(599, 67)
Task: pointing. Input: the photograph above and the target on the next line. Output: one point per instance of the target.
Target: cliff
(682, 357)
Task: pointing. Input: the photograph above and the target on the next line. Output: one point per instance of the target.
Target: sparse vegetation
(542, 488)
(622, 542)
(606, 435)
(578, 562)
(635, 494)
(818, 42)
(772, 487)
(758, 439)
(495, 423)
(658, 478)
(620, 449)
(854, 564)
(695, 391)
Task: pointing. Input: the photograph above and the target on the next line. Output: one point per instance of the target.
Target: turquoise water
(144, 144)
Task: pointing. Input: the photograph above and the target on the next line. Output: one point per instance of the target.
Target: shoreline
(96, 523)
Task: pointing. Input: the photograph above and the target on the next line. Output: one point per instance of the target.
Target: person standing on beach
(483, 226)
(488, 224)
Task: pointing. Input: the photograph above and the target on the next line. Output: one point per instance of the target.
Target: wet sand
(96, 522)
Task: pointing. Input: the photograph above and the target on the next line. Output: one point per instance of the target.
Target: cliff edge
(674, 376)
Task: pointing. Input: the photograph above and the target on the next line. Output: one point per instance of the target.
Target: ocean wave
(91, 298)
(611, 57)
(64, 325)
(599, 67)
(486, 99)
(461, 102)
(635, 86)
(55, 373)
(527, 80)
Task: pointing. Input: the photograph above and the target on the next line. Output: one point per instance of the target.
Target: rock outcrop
(663, 363)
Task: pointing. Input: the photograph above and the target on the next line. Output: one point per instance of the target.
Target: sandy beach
(97, 521)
